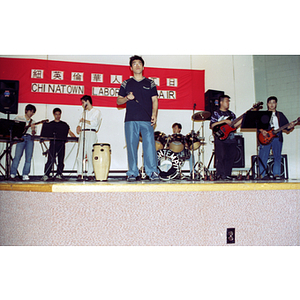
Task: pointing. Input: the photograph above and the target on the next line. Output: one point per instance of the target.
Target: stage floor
(120, 184)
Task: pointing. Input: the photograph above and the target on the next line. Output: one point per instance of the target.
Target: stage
(144, 213)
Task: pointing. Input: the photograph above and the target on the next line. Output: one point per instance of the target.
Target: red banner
(59, 82)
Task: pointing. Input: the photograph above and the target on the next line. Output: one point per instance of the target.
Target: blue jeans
(264, 151)
(27, 145)
(132, 135)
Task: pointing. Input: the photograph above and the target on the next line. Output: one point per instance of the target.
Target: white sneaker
(12, 176)
(25, 177)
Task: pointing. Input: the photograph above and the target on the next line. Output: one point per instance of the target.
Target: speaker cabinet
(212, 100)
(270, 163)
(239, 161)
(9, 95)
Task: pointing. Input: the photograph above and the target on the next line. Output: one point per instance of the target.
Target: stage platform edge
(123, 186)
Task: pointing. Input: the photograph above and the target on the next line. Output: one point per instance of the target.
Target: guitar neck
(237, 119)
(255, 107)
(285, 126)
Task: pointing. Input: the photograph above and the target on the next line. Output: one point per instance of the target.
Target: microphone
(137, 101)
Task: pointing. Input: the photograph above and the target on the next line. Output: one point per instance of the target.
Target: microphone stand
(193, 159)
(53, 159)
(83, 147)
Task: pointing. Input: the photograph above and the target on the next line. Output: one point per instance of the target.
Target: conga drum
(101, 161)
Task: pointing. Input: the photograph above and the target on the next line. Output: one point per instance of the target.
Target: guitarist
(26, 144)
(277, 120)
(225, 150)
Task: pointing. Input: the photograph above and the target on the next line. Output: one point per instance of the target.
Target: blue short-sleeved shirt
(144, 90)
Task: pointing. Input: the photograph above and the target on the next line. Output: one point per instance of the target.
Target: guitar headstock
(257, 106)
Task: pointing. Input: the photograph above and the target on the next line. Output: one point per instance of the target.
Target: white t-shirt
(23, 119)
(274, 121)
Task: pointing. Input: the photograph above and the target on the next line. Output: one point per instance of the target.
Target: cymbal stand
(193, 159)
(83, 146)
(206, 169)
(201, 150)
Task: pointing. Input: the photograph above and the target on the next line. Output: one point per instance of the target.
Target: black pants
(59, 152)
(225, 155)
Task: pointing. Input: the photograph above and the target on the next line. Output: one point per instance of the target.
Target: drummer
(176, 127)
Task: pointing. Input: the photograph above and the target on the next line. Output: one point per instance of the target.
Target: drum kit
(175, 149)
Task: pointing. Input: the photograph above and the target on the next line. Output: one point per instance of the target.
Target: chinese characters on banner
(59, 82)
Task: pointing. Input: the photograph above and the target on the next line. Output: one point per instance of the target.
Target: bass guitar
(37, 123)
(223, 130)
(265, 140)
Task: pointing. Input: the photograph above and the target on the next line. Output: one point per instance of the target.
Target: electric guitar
(223, 130)
(37, 123)
(265, 140)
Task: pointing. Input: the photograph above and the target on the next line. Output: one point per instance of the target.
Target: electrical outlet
(230, 235)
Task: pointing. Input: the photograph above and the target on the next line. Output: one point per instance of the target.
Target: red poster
(59, 82)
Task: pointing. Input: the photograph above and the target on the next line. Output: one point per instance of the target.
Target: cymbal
(201, 115)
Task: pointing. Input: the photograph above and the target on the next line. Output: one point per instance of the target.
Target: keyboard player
(58, 131)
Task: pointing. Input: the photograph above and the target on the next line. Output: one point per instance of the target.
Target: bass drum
(160, 140)
(176, 142)
(168, 164)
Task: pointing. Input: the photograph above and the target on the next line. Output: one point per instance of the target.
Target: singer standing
(87, 129)
(141, 98)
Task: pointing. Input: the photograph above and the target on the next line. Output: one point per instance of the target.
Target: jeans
(264, 151)
(27, 145)
(132, 135)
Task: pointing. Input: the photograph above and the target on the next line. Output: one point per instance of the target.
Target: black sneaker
(131, 178)
(154, 177)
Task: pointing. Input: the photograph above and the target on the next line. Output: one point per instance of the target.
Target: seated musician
(225, 150)
(176, 127)
(57, 146)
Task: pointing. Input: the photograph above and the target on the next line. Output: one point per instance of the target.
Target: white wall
(232, 74)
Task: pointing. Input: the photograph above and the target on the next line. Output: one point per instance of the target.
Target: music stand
(256, 120)
(10, 129)
(54, 131)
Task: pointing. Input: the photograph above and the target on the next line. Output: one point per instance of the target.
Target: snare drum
(101, 161)
(193, 139)
(176, 142)
(160, 140)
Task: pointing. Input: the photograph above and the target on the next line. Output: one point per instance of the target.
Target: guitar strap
(27, 127)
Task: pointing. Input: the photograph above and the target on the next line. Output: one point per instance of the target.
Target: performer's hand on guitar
(33, 129)
(227, 121)
(78, 129)
(264, 132)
